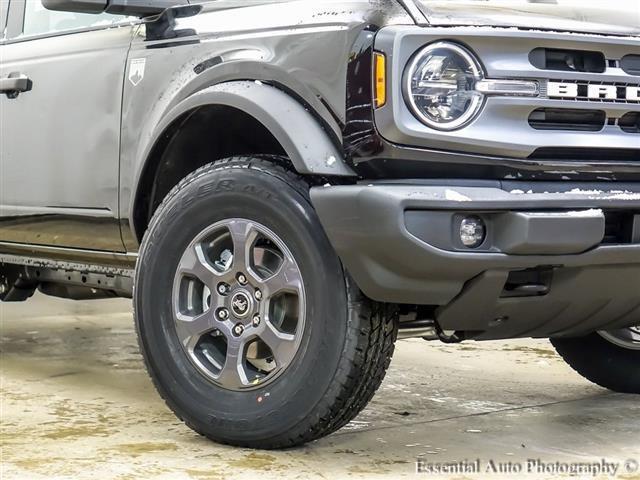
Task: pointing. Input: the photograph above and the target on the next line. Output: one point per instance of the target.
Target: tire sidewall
(602, 362)
(253, 194)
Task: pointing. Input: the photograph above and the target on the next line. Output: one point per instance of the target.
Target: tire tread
(369, 343)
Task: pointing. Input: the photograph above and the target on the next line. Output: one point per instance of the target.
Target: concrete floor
(77, 403)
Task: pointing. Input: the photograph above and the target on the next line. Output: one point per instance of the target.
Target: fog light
(472, 232)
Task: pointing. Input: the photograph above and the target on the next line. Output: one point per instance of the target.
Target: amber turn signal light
(380, 79)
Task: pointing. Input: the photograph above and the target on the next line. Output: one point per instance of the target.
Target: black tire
(347, 343)
(602, 362)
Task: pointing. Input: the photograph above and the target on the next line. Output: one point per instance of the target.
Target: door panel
(59, 142)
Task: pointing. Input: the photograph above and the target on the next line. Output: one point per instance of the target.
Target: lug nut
(242, 280)
(238, 329)
(223, 314)
(223, 288)
(258, 295)
(256, 321)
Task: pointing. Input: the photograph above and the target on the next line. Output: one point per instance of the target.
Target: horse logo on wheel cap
(240, 304)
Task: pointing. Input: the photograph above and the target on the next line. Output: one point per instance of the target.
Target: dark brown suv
(284, 187)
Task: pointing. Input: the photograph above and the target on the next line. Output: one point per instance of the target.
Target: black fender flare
(301, 135)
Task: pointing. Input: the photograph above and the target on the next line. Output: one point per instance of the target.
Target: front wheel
(611, 359)
(250, 329)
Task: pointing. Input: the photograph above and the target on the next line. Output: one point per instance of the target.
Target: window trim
(4, 13)
(15, 25)
(14, 19)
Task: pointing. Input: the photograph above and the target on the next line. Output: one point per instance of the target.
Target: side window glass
(40, 21)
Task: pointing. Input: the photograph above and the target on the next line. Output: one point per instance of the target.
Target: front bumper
(553, 263)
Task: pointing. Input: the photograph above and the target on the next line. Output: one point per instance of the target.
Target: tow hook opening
(530, 282)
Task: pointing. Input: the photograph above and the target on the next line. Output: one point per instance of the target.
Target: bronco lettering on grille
(599, 91)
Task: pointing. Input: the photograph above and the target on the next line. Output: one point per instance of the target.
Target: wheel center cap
(240, 304)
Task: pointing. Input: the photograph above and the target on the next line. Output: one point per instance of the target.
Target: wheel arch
(278, 122)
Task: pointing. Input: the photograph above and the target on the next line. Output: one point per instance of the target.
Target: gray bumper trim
(485, 198)
(366, 225)
(557, 233)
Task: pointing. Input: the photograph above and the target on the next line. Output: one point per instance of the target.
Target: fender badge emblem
(136, 70)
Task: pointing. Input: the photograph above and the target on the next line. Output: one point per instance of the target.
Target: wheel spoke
(282, 345)
(233, 373)
(190, 329)
(230, 260)
(243, 235)
(287, 278)
(194, 263)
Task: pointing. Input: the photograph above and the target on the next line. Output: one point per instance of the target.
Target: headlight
(440, 86)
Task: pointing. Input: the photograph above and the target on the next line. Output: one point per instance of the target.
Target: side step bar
(20, 275)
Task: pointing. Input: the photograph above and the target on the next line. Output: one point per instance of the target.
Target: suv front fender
(300, 134)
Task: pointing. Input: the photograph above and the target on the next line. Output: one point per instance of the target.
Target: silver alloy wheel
(239, 304)
(625, 337)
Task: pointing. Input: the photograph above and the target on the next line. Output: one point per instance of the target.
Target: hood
(614, 17)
